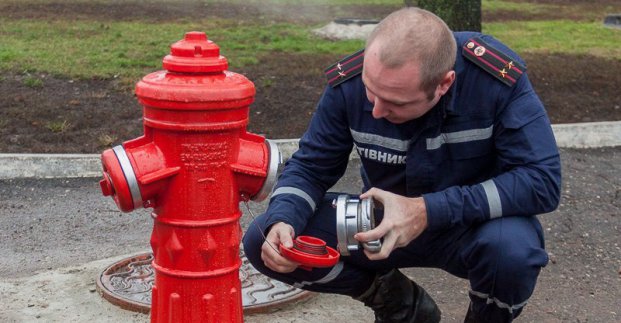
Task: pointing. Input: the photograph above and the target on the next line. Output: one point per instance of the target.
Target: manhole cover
(128, 284)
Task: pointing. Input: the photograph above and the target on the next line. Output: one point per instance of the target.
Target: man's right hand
(280, 233)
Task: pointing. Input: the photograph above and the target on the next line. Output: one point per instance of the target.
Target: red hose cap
(195, 54)
(310, 252)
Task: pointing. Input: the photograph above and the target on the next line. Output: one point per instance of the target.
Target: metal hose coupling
(354, 215)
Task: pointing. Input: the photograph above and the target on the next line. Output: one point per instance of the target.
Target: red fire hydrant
(193, 165)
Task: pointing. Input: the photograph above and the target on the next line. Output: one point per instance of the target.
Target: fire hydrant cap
(195, 54)
(195, 72)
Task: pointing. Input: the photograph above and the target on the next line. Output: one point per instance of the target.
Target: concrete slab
(68, 295)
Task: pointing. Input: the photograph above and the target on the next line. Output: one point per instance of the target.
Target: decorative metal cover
(128, 282)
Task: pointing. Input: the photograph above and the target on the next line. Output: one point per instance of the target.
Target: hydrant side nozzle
(256, 166)
(275, 159)
(130, 176)
(114, 182)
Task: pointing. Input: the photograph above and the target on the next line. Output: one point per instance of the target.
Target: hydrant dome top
(195, 54)
(195, 72)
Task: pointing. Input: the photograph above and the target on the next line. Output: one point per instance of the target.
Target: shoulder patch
(345, 69)
(495, 62)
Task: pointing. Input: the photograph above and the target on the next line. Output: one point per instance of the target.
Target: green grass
(558, 36)
(57, 126)
(583, 11)
(129, 49)
(106, 140)
(33, 82)
(497, 5)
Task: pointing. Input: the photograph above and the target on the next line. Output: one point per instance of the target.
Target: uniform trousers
(501, 258)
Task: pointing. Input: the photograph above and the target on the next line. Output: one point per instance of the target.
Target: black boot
(395, 298)
(470, 318)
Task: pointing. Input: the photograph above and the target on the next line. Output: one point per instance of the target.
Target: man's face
(395, 92)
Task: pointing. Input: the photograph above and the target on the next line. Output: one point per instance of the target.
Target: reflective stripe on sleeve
(297, 192)
(459, 136)
(493, 199)
(373, 139)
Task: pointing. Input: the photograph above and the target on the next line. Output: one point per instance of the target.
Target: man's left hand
(404, 219)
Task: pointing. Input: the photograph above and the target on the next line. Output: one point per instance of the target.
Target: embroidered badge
(479, 51)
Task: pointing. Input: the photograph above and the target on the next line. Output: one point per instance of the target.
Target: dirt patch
(44, 114)
(577, 88)
(54, 115)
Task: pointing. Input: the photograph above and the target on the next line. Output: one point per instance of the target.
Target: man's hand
(404, 219)
(280, 233)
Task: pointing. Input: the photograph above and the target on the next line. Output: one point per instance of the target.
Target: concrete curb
(570, 135)
(588, 134)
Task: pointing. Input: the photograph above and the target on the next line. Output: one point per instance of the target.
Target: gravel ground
(57, 235)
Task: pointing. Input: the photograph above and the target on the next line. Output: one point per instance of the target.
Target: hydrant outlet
(120, 180)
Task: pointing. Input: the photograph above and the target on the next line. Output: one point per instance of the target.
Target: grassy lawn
(129, 49)
(559, 36)
(86, 49)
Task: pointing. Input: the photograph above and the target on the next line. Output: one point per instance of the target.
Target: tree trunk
(458, 14)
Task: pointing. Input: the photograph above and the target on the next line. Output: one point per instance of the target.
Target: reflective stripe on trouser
(501, 258)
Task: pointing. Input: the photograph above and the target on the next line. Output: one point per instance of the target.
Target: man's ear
(446, 83)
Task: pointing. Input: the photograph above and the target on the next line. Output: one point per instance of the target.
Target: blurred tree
(458, 14)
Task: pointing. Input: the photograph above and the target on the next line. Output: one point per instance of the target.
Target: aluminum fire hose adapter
(354, 215)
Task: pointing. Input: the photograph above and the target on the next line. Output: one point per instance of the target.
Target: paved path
(56, 235)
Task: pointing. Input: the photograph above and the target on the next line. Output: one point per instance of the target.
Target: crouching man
(455, 145)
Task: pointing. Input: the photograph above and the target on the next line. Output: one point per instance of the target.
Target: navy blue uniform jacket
(486, 150)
